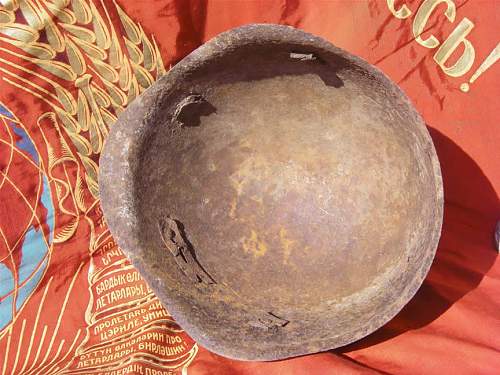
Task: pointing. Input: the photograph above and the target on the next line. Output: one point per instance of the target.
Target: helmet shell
(280, 196)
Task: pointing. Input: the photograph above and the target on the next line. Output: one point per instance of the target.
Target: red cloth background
(452, 325)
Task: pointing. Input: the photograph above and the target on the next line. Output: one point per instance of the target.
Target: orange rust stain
(286, 244)
(238, 187)
(232, 208)
(254, 245)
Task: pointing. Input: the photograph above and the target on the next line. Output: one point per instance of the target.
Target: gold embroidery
(457, 37)
(82, 47)
(452, 42)
(6, 353)
(422, 17)
(487, 63)
(402, 13)
(42, 301)
(103, 70)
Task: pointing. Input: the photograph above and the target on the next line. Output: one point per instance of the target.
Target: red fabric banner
(70, 302)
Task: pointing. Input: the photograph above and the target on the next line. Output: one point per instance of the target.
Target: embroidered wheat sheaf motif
(108, 64)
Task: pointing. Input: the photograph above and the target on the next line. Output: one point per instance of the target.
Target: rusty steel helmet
(280, 195)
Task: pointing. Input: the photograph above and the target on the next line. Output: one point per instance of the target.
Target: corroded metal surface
(280, 195)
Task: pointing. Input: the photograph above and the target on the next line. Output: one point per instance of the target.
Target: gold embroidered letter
(422, 17)
(401, 13)
(464, 63)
